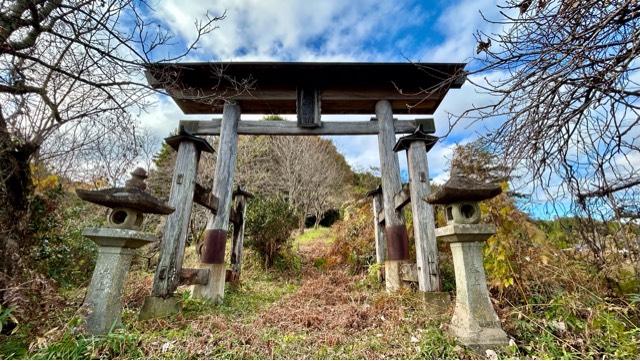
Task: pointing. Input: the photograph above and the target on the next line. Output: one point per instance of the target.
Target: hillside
(315, 306)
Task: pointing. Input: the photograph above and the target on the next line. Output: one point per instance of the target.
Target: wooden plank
(395, 231)
(308, 107)
(204, 197)
(238, 238)
(167, 276)
(288, 106)
(409, 272)
(423, 219)
(213, 250)
(194, 276)
(261, 127)
(400, 201)
(344, 94)
(381, 243)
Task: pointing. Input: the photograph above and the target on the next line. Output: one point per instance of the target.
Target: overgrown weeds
(354, 245)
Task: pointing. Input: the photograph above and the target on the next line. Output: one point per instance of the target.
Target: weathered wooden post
(237, 244)
(417, 145)
(474, 322)
(378, 224)
(116, 243)
(212, 251)
(162, 301)
(395, 230)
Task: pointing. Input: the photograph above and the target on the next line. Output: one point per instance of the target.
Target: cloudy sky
(338, 30)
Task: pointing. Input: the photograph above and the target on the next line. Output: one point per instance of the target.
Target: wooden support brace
(409, 272)
(204, 197)
(194, 276)
(400, 200)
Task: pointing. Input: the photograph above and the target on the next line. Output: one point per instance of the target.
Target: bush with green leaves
(269, 223)
(61, 252)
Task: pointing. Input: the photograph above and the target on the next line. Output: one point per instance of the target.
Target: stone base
(480, 340)
(437, 301)
(158, 307)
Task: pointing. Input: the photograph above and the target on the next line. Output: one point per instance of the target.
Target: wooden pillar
(168, 276)
(183, 183)
(417, 145)
(423, 219)
(395, 230)
(212, 251)
(238, 233)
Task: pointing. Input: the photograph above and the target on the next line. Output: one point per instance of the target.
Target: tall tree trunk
(301, 223)
(15, 190)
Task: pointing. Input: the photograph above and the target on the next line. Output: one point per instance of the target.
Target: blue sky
(338, 30)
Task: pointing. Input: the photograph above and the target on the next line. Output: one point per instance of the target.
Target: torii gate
(308, 90)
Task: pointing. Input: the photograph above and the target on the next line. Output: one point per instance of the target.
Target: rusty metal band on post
(213, 247)
(397, 242)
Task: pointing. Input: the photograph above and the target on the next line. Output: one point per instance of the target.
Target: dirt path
(337, 315)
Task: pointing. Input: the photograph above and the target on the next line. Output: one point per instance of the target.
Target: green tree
(269, 223)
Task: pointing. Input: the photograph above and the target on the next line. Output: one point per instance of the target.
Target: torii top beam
(305, 88)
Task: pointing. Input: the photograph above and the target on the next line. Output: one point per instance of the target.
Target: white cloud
(162, 118)
(458, 24)
(292, 30)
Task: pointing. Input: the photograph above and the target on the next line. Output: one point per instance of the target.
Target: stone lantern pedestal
(116, 248)
(474, 321)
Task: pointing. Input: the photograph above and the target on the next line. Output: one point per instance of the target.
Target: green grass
(311, 235)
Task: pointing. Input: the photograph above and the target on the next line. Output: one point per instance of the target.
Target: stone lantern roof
(463, 189)
(419, 135)
(132, 196)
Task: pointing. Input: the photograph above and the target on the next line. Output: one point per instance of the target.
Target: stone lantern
(116, 242)
(474, 322)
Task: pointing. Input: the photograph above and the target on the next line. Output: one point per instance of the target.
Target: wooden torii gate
(308, 90)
